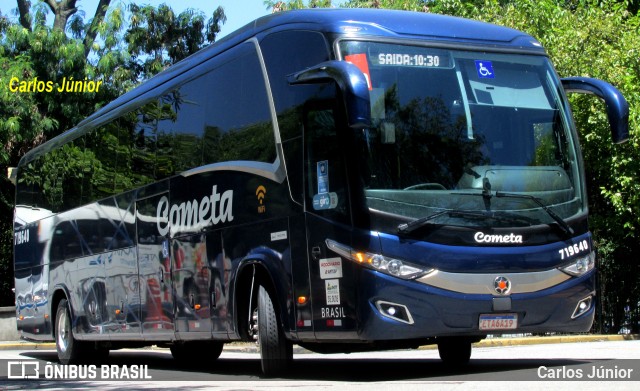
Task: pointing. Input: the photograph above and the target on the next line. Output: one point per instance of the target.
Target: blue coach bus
(344, 180)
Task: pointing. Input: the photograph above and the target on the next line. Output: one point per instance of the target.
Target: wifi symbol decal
(260, 194)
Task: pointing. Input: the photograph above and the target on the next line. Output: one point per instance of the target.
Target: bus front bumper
(392, 308)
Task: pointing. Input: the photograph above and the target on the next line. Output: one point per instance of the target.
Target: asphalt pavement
(488, 342)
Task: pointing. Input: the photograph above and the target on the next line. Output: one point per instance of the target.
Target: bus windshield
(465, 138)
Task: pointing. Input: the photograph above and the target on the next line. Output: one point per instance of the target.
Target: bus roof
(352, 22)
(392, 24)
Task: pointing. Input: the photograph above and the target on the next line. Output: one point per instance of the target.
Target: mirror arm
(617, 106)
(350, 80)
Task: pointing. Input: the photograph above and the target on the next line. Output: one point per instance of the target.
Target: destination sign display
(413, 57)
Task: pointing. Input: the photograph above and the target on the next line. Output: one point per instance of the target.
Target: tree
(279, 6)
(118, 46)
(168, 37)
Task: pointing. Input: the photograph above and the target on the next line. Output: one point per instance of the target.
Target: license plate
(498, 322)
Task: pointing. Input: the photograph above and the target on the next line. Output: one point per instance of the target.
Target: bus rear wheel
(454, 351)
(276, 352)
(70, 350)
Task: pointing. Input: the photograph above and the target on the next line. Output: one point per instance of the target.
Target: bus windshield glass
(465, 138)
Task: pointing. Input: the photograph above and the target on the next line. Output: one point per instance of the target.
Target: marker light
(302, 300)
(391, 266)
(581, 265)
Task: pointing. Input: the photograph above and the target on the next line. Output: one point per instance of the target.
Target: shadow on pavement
(317, 368)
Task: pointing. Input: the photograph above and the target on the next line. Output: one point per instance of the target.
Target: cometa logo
(481, 237)
(194, 215)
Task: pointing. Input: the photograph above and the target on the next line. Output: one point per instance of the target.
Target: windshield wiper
(563, 224)
(407, 228)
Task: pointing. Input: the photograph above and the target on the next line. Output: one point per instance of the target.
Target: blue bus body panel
(436, 311)
(479, 259)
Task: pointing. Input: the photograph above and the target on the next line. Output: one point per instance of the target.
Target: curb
(248, 347)
(493, 342)
(24, 345)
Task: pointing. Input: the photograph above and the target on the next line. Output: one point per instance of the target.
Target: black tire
(70, 350)
(454, 351)
(196, 352)
(276, 352)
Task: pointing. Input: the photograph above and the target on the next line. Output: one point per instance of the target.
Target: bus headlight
(581, 265)
(391, 266)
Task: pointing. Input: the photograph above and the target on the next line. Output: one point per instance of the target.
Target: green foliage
(168, 37)
(406, 5)
(6, 243)
(279, 6)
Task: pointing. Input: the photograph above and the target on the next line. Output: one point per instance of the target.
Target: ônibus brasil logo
(194, 215)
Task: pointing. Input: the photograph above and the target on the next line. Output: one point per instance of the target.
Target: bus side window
(238, 122)
(219, 116)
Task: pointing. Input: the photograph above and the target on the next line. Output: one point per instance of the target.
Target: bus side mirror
(351, 82)
(617, 106)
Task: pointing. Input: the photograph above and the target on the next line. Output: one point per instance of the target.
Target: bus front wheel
(276, 352)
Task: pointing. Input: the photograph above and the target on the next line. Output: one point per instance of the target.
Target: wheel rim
(63, 332)
(254, 329)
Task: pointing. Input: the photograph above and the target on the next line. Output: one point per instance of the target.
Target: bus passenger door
(154, 266)
(332, 279)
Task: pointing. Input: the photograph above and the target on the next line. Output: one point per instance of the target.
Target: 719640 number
(577, 248)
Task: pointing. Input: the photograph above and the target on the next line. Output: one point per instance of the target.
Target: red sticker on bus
(360, 60)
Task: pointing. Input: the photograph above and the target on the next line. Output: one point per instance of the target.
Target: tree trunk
(62, 11)
(23, 8)
(92, 32)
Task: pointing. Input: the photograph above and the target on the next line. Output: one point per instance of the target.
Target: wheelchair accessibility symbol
(485, 69)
